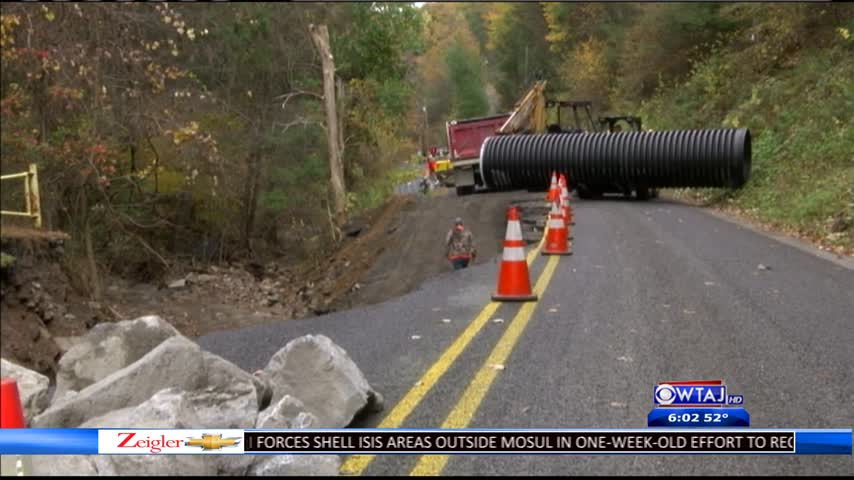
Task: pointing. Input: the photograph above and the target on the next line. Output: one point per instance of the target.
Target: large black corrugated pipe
(679, 158)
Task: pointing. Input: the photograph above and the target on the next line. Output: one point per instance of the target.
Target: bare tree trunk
(250, 199)
(340, 107)
(320, 36)
(94, 278)
(156, 164)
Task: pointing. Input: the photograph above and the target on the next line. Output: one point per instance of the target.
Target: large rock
(228, 398)
(32, 387)
(156, 465)
(168, 408)
(288, 412)
(175, 363)
(109, 347)
(321, 374)
(263, 389)
(296, 465)
(64, 465)
(304, 420)
(172, 408)
(221, 395)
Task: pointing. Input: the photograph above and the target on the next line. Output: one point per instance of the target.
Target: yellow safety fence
(31, 195)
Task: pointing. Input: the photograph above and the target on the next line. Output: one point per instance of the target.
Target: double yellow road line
(468, 404)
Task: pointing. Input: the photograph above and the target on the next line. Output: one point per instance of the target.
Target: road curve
(654, 291)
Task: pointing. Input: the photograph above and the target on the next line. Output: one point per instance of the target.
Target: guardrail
(31, 195)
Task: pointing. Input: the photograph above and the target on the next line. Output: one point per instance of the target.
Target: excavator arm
(529, 115)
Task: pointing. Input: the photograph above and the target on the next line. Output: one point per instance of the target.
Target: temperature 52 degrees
(697, 417)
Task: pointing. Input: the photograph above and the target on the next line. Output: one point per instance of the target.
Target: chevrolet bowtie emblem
(212, 442)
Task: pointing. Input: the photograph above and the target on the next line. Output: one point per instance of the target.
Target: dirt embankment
(413, 250)
(38, 304)
(385, 253)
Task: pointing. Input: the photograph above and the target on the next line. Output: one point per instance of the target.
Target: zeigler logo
(153, 445)
(153, 442)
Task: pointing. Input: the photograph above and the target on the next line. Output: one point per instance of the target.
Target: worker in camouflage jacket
(460, 245)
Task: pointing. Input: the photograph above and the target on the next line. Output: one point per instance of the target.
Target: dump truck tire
(465, 190)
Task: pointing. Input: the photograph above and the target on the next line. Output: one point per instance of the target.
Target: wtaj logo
(705, 393)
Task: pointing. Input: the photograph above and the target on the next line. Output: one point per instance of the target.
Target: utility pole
(424, 131)
(526, 66)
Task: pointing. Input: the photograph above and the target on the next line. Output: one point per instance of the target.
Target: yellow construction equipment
(529, 115)
(532, 113)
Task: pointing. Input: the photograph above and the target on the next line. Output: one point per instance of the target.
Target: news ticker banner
(662, 441)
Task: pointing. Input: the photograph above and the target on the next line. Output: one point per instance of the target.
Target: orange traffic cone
(554, 189)
(11, 411)
(564, 202)
(566, 208)
(514, 282)
(566, 211)
(557, 240)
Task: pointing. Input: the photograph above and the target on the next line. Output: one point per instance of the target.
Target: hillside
(803, 150)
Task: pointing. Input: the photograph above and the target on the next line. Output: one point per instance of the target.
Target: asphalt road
(655, 291)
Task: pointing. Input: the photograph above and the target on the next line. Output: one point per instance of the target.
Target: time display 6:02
(696, 417)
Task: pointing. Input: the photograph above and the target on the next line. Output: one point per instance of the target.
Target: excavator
(531, 114)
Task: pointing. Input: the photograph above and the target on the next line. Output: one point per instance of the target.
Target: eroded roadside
(383, 255)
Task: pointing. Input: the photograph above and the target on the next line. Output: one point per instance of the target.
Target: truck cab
(465, 137)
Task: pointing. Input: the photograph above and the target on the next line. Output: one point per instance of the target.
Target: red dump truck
(465, 138)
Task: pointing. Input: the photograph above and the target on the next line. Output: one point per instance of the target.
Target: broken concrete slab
(109, 347)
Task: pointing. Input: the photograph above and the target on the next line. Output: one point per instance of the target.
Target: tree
(588, 38)
(374, 46)
(475, 14)
(468, 97)
(586, 74)
(671, 37)
(163, 129)
(248, 115)
(517, 39)
(320, 36)
(95, 105)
